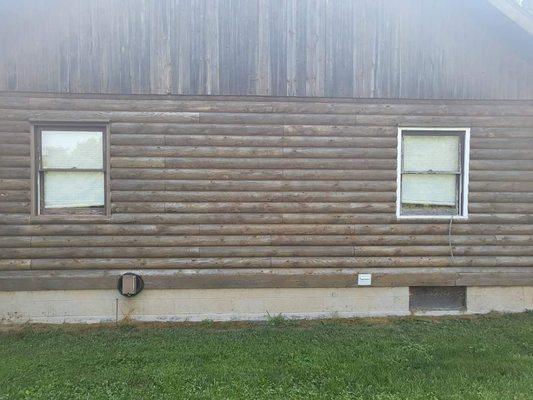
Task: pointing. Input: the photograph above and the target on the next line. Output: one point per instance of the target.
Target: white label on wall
(364, 279)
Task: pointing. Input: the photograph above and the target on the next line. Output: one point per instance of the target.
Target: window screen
(71, 170)
(431, 173)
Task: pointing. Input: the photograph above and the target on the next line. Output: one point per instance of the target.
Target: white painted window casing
(432, 176)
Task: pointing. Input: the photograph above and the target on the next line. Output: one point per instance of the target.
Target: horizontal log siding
(249, 183)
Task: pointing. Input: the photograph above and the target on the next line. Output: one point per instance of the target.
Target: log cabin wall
(262, 192)
(253, 142)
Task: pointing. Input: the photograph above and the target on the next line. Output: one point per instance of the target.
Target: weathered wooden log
(8, 149)
(252, 174)
(447, 121)
(266, 262)
(333, 106)
(502, 133)
(20, 138)
(276, 118)
(260, 207)
(116, 116)
(253, 141)
(14, 207)
(8, 126)
(15, 161)
(14, 184)
(181, 196)
(264, 278)
(277, 163)
(311, 239)
(65, 231)
(14, 195)
(212, 185)
(501, 165)
(162, 128)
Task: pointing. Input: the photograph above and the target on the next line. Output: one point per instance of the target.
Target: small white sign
(364, 279)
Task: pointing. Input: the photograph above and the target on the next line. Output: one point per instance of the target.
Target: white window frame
(465, 169)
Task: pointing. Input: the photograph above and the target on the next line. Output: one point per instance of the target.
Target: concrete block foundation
(95, 306)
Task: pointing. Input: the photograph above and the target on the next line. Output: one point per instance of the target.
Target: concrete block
(480, 300)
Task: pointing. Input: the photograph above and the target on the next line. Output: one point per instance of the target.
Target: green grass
(413, 358)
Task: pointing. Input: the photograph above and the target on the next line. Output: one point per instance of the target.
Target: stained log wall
(270, 184)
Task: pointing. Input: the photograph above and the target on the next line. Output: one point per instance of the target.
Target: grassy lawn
(453, 358)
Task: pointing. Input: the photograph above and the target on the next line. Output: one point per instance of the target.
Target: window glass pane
(72, 149)
(73, 189)
(429, 189)
(431, 153)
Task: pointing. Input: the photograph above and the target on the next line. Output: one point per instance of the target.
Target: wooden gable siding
(334, 48)
(226, 183)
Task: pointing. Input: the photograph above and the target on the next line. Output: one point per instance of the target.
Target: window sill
(434, 217)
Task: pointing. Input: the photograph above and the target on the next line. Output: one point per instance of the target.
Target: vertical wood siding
(245, 182)
(335, 48)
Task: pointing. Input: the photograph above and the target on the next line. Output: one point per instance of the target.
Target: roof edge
(515, 13)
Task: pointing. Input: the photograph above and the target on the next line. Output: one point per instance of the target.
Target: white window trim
(466, 171)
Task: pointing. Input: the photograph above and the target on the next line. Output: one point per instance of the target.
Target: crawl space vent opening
(435, 298)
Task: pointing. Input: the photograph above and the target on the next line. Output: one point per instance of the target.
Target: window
(432, 172)
(70, 169)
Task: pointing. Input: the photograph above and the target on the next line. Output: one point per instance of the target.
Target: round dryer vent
(130, 284)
